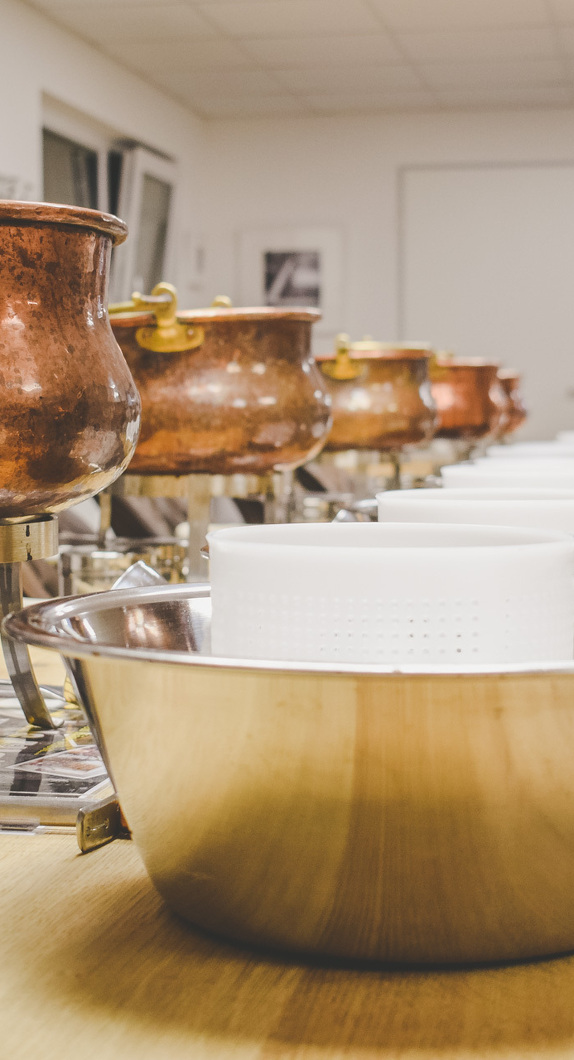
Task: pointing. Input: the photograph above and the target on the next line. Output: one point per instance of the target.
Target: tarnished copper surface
(387, 405)
(69, 410)
(516, 412)
(249, 399)
(469, 397)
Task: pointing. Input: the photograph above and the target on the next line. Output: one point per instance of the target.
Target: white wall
(347, 173)
(41, 59)
(343, 173)
(501, 284)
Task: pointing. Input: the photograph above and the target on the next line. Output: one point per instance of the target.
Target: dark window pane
(115, 159)
(70, 172)
(150, 249)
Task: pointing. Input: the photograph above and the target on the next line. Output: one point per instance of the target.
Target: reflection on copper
(70, 410)
(517, 412)
(470, 399)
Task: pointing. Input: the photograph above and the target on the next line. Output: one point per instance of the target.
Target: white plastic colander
(510, 506)
(392, 593)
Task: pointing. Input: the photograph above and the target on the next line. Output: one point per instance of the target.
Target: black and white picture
(294, 266)
(292, 277)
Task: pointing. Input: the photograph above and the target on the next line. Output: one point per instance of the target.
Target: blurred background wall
(453, 227)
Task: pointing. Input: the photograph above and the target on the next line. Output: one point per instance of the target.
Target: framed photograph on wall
(288, 267)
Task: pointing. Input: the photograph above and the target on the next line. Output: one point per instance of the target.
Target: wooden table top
(93, 965)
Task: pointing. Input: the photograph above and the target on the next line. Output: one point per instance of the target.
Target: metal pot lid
(371, 349)
(443, 359)
(146, 310)
(131, 319)
(228, 314)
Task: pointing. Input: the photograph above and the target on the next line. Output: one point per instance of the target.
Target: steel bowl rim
(35, 625)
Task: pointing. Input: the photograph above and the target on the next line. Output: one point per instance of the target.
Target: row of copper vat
(221, 390)
(247, 396)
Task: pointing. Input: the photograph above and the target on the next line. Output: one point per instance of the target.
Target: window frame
(139, 162)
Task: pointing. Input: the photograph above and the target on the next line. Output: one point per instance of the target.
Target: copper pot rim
(509, 374)
(132, 320)
(382, 353)
(57, 214)
(469, 362)
(225, 315)
(217, 315)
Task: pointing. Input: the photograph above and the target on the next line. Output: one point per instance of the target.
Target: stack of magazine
(47, 777)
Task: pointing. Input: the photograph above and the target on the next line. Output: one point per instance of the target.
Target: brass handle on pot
(168, 335)
(439, 364)
(343, 367)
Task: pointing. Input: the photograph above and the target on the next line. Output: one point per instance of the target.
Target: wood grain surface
(93, 965)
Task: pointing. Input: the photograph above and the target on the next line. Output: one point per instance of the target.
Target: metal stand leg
(395, 483)
(16, 655)
(20, 542)
(105, 499)
(279, 500)
(198, 514)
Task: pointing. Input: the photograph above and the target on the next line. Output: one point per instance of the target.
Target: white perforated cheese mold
(511, 506)
(395, 593)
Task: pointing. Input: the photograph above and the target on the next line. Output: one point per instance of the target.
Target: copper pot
(381, 395)
(69, 407)
(469, 397)
(224, 390)
(516, 413)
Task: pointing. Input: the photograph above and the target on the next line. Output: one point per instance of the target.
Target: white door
(487, 270)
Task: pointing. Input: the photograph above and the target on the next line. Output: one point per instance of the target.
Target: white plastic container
(392, 593)
(512, 506)
(532, 451)
(539, 474)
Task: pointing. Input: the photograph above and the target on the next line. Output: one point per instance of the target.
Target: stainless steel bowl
(362, 812)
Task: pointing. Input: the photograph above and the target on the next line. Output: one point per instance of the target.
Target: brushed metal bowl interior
(366, 812)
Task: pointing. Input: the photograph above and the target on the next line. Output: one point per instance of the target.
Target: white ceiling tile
(490, 73)
(506, 96)
(480, 44)
(434, 14)
(324, 51)
(290, 18)
(136, 22)
(265, 106)
(227, 81)
(356, 103)
(567, 40)
(94, 5)
(562, 10)
(151, 58)
(353, 79)
(235, 57)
